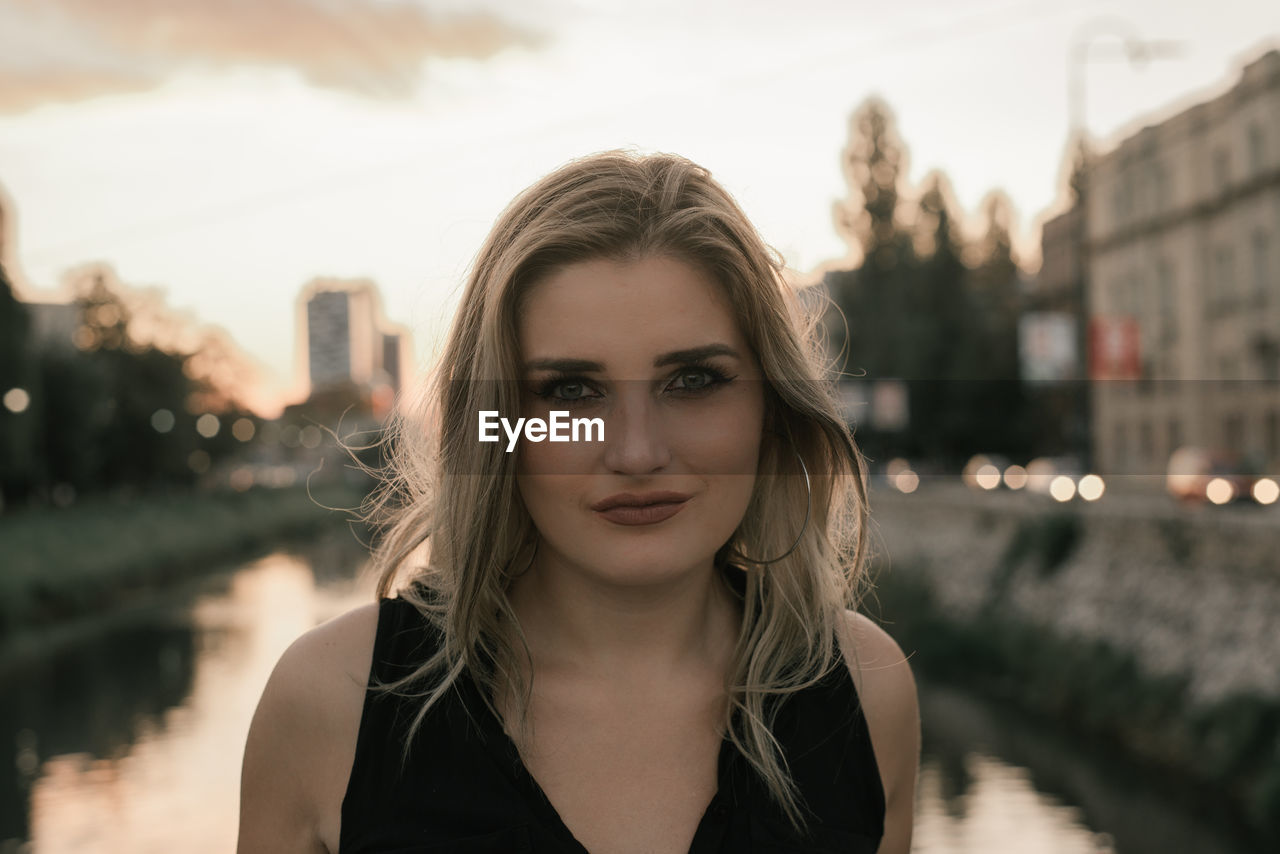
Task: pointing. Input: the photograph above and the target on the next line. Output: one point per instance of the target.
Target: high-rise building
(52, 324)
(349, 344)
(6, 240)
(1183, 272)
(9, 245)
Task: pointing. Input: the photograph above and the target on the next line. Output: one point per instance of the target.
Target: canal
(126, 735)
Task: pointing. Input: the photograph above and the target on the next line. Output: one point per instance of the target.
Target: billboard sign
(1114, 352)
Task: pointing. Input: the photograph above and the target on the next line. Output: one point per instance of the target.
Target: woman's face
(650, 347)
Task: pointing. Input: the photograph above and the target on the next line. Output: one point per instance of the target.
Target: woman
(639, 641)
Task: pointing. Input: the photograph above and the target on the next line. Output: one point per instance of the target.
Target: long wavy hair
(449, 512)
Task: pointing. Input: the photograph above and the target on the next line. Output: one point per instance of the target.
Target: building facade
(349, 344)
(1052, 340)
(1183, 256)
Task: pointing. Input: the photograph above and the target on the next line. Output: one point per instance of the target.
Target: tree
(995, 286)
(18, 457)
(126, 386)
(873, 297)
(948, 354)
(926, 306)
(874, 160)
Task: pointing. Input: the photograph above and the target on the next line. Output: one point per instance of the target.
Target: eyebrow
(675, 357)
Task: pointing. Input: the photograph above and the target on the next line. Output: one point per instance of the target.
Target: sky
(225, 154)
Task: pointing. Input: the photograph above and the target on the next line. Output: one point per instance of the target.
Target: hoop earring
(808, 506)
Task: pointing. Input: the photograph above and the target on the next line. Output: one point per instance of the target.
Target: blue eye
(564, 389)
(690, 381)
(699, 379)
(696, 379)
(570, 391)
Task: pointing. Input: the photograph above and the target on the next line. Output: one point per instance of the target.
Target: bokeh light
(243, 429)
(162, 421)
(1091, 487)
(84, 338)
(241, 479)
(207, 425)
(987, 476)
(1015, 477)
(1062, 488)
(310, 436)
(17, 400)
(1266, 491)
(1220, 490)
(199, 461)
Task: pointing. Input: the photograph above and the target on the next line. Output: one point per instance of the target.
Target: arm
(301, 741)
(887, 690)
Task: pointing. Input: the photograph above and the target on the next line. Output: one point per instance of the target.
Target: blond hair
(458, 496)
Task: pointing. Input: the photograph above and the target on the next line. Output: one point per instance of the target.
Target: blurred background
(1046, 237)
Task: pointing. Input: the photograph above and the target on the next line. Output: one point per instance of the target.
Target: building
(1051, 339)
(1183, 273)
(343, 341)
(349, 343)
(9, 246)
(53, 324)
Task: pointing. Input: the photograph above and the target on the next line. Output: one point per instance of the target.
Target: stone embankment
(1151, 624)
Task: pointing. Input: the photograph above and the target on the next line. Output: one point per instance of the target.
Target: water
(993, 780)
(129, 737)
(131, 740)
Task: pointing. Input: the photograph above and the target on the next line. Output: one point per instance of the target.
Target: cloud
(57, 50)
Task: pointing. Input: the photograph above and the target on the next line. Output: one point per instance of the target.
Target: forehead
(621, 310)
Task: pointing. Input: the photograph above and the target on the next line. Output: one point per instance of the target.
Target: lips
(629, 499)
(647, 509)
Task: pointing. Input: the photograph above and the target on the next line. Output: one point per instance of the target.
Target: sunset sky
(229, 152)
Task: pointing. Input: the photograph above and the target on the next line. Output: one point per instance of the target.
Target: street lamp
(1136, 50)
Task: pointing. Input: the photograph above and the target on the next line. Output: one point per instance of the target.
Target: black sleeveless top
(465, 789)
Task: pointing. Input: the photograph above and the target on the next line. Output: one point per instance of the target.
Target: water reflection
(999, 810)
(995, 781)
(132, 742)
(89, 703)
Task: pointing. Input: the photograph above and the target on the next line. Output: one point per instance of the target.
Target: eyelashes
(706, 378)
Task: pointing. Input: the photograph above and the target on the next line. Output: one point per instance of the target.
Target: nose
(635, 438)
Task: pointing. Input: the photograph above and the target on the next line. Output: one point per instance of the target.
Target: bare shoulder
(342, 646)
(301, 742)
(887, 691)
(875, 659)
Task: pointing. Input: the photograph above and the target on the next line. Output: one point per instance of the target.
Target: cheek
(721, 439)
(545, 460)
(734, 493)
(548, 498)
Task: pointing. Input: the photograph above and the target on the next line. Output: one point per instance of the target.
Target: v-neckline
(496, 738)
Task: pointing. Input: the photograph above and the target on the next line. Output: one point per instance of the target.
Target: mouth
(647, 509)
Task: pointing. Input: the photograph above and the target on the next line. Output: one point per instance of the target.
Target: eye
(569, 391)
(698, 379)
(564, 390)
(694, 380)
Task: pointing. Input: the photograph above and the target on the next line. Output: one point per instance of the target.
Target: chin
(641, 563)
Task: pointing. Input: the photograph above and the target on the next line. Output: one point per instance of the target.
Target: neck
(579, 623)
